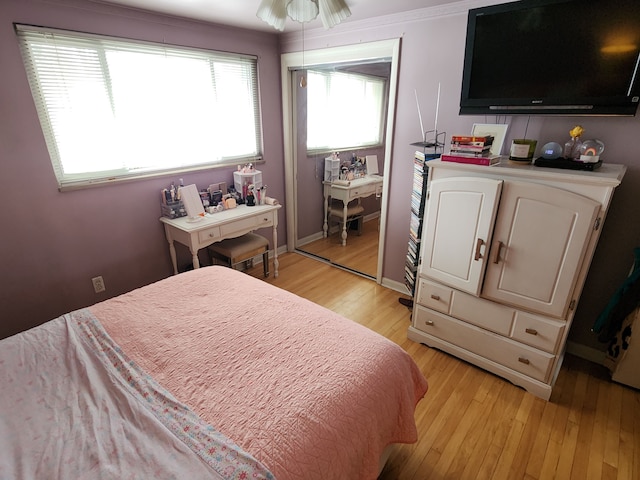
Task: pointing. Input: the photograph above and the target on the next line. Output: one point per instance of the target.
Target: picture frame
(498, 130)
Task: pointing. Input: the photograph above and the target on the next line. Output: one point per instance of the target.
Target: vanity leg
(275, 249)
(194, 256)
(174, 261)
(172, 249)
(325, 225)
(344, 225)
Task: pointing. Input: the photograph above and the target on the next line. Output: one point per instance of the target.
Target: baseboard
(394, 285)
(587, 353)
(311, 238)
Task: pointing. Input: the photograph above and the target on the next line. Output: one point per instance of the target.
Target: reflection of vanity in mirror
(339, 221)
(348, 192)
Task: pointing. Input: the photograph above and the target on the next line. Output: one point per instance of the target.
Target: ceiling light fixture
(332, 12)
(275, 12)
(303, 10)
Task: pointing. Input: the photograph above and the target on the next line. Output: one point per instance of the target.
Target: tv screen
(549, 57)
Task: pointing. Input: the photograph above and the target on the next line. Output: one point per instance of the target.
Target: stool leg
(265, 263)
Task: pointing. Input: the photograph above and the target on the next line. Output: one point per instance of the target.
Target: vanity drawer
(239, 226)
(264, 221)
(536, 331)
(508, 353)
(362, 191)
(482, 313)
(209, 234)
(433, 295)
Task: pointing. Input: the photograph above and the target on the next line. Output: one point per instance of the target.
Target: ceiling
(242, 13)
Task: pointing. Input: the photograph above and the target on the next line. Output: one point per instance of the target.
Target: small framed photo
(498, 130)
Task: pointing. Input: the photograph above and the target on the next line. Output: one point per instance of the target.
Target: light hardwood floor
(359, 254)
(474, 425)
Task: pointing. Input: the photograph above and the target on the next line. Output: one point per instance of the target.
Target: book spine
(468, 138)
(478, 151)
(469, 144)
(471, 160)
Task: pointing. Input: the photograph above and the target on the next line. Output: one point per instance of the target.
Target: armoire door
(540, 237)
(457, 230)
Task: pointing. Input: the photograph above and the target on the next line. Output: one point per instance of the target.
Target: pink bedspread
(307, 392)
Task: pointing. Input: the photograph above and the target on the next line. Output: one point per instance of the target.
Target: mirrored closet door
(319, 190)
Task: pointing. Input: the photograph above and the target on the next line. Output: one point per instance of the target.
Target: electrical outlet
(98, 284)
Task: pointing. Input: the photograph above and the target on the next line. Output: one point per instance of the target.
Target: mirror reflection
(339, 188)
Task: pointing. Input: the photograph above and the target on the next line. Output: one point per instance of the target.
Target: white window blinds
(112, 108)
(344, 110)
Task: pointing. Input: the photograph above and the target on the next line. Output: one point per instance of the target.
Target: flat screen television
(552, 57)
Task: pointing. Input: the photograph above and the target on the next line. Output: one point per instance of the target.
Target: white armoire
(504, 256)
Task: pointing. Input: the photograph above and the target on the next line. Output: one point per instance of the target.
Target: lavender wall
(53, 243)
(432, 51)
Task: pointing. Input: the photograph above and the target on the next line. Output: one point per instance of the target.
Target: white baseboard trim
(393, 285)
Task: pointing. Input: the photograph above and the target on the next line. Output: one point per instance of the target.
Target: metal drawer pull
(428, 322)
(524, 360)
(496, 258)
(531, 331)
(479, 244)
(435, 297)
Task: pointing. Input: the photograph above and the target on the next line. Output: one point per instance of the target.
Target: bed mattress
(274, 385)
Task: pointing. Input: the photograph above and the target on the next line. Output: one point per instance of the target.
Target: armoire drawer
(536, 331)
(433, 295)
(516, 356)
(482, 313)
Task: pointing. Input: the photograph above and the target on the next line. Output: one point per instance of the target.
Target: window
(344, 110)
(113, 109)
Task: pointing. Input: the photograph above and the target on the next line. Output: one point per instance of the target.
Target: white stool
(353, 213)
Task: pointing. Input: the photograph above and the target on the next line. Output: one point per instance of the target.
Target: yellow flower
(576, 131)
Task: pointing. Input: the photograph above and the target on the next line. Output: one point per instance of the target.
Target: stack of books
(418, 200)
(471, 149)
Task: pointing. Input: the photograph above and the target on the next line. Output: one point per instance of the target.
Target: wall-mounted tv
(552, 57)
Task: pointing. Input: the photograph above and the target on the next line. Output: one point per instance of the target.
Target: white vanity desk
(219, 226)
(358, 188)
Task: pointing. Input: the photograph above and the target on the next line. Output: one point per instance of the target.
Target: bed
(207, 374)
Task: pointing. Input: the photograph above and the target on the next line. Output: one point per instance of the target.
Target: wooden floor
(474, 425)
(359, 254)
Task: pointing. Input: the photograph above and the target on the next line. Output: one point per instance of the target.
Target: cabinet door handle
(531, 331)
(524, 360)
(496, 255)
(479, 244)
(435, 297)
(428, 322)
